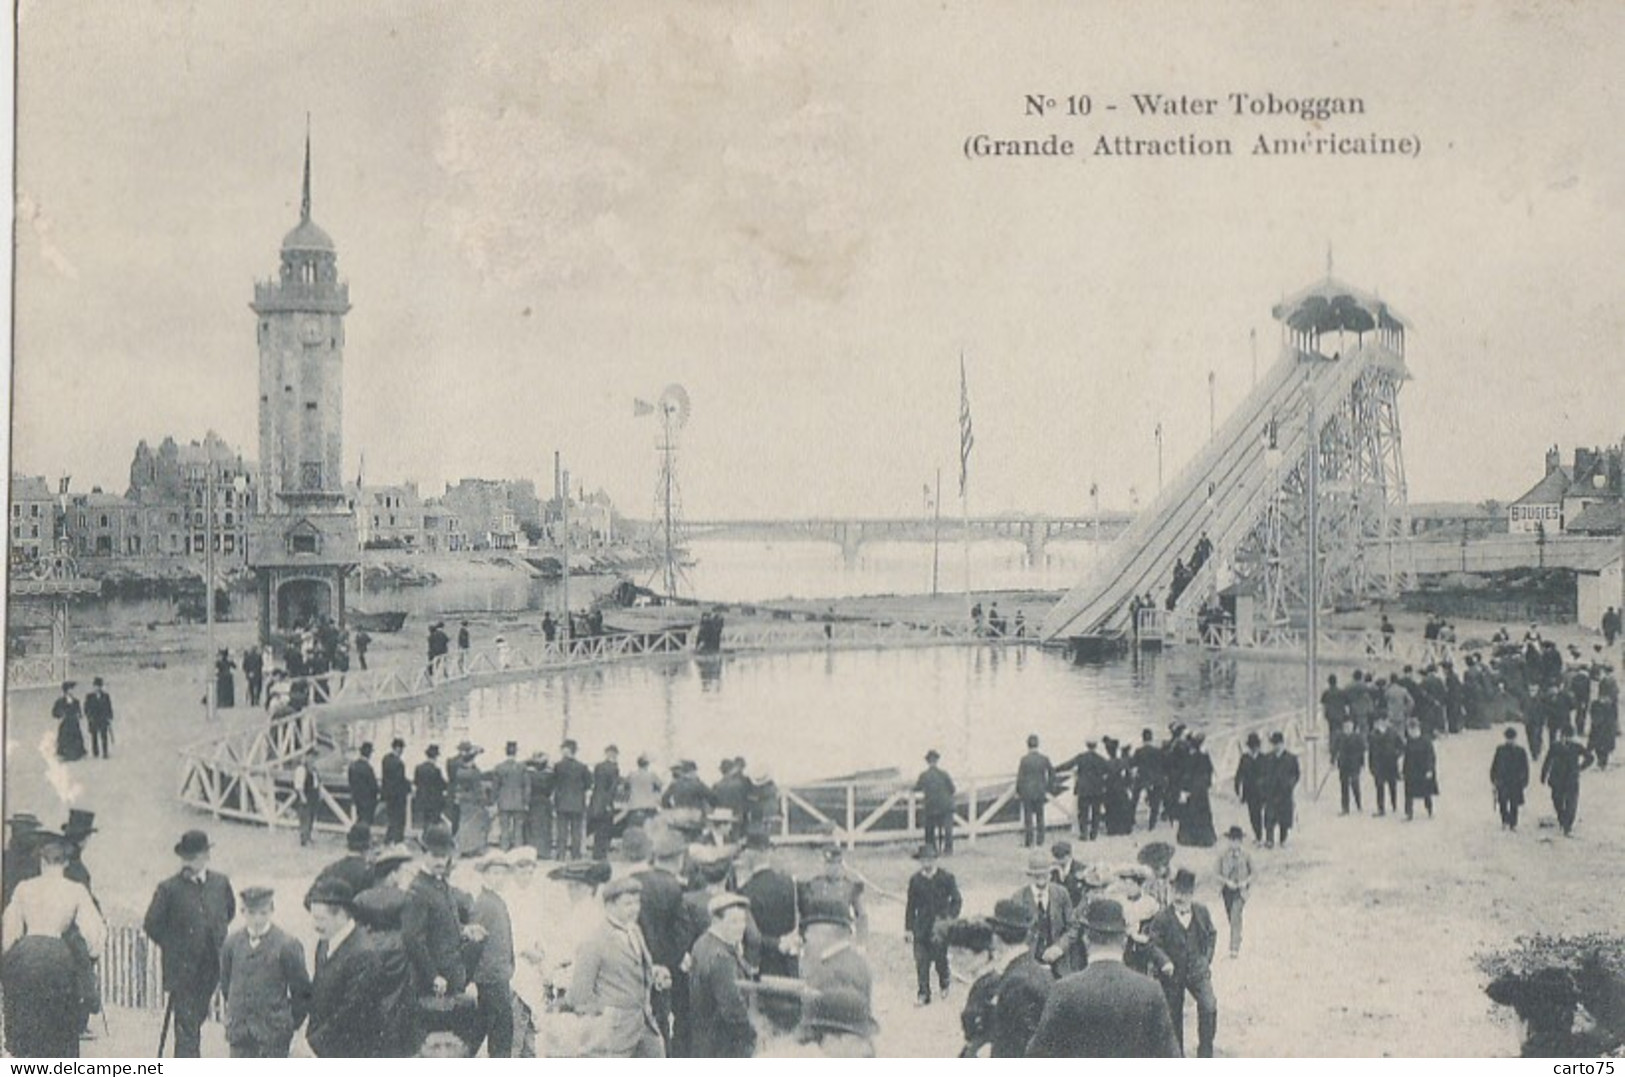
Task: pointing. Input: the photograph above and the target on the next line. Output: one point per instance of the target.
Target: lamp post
(238, 483)
(1211, 381)
(1159, 459)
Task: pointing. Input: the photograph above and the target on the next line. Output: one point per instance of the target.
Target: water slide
(1224, 491)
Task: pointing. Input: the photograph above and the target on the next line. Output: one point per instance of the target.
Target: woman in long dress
(473, 818)
(225, 682)
(1196, 817)
(37, 971)
(1119, 804)
(70, 735)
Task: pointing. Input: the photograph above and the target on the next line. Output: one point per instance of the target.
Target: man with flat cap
(661, 918)
(396, 790)
(936, 789)
(717, 1009)
(933, 898)
(99, 717)
(363, 783)
(572, 780)
(1185, 933)
(188, 918)
(429, 805)
(344, 1016)
(263, 981)
(615, 977)
(1106, 1010)
(836, 885)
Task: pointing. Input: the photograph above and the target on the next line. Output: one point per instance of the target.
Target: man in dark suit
(344, 1016)
(1105, 1011)
(1034, 776)
(354, 867)
(936, 789)
(1185, 933)
(188, 918)
(1150, 777)
(606, 781)
(1561, 773)
(1051, 910)
(1090, 771)
(1280, 779)
(1509, 774)
(772, 894)
(363, 784)
(1384, 749)
(397, 791)
(431, 923)
(1349, 749)
(263, 982)
(933, 897)
(721, 1018)
(571, 782)
(539, 805)
(1249, 786)
(1067, 873)
(429, 805)
(661, 919)
(1024, 983)
(99, 717)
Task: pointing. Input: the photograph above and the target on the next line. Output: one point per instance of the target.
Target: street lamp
(1159, 459)
(239, 483)
(1211, 377)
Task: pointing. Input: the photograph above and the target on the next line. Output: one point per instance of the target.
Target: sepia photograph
(734, 529)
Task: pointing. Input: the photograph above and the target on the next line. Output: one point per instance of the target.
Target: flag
(641, 408)
(966, 437)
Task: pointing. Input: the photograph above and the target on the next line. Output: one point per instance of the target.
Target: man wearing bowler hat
(1185, 933)
(933, 897)
(1106, 1010)
(429, 805)
(188, 918)
(363, 783)
(355, 866)
(99, 717)
(345, 1017)
(1024, 981)
(1236, 883)
(431, 923)
(396, 791)
(936, 789)
(263, 981)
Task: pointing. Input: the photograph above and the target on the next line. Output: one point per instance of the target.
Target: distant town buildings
(495, 514)
(34, 517)
(1580, 499)
(388, 517)
(168, 499)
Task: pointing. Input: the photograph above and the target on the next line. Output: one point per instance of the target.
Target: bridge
(1314, 449)
(1034, 532)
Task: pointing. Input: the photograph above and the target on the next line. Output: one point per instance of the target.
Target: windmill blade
(674, 405)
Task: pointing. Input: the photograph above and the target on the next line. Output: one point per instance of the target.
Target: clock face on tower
(310, 331)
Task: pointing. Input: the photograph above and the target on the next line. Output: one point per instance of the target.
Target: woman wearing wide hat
(38, 970)
(70, 736)
(1196, 817)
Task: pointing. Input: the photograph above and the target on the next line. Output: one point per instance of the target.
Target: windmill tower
(673, 410)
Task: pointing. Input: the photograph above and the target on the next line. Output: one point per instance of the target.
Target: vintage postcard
(727, 529)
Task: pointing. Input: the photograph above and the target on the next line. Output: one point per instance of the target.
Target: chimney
(1554, 459)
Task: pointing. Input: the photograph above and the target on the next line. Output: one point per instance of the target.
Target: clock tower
(303, 542)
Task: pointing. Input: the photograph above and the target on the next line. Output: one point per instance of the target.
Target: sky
(545, 211)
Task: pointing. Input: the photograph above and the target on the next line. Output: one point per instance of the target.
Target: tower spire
(304, 201)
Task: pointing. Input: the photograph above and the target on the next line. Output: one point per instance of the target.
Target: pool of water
(817, 715)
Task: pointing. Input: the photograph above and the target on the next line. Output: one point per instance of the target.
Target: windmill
(673, 410)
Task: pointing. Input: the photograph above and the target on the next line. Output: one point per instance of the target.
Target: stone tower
(304, 540)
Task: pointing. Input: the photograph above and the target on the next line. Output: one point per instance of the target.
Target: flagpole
(936, 533)
(966, 441)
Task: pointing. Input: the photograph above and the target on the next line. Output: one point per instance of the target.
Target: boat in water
(380, 621)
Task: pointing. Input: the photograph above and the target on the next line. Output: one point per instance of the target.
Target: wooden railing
(1336, 644)
(37, 671)
(247, 775)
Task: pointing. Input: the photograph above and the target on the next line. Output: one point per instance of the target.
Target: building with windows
(442, 529)
(169, 490)
(388, 517)
(1586, 493)
(100, 524)
(34, 515)
(494, 513)
(302, 542)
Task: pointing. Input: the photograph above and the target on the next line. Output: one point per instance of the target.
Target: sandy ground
(1360, 936)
